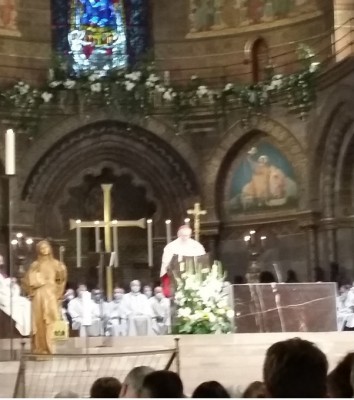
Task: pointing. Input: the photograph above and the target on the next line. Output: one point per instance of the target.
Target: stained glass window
(99, 35)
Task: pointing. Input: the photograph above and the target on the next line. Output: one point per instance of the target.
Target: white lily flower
(69, 84)
(47, 97)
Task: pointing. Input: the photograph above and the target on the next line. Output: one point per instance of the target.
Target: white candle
(61, 253)
(166, 78)
(115, 244)
(97, 237)
(78, 243)
(168, 231)
(187, 221)
(150, 245)
(10, 153)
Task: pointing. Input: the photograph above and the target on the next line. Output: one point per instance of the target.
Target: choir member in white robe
(20, 310)
(117, 323)
(84, 313)
(349, 306)
(161, 312)
(147, 291)
(138, 309)
(102, 311)
(183, 246)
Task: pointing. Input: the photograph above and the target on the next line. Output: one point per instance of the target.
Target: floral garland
(201, 302)
(142, 91)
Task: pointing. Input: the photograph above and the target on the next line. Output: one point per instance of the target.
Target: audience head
(162, 384)
(291, 276)
(256, 390)
(295, 368)
(339, 380)
(184, 232)
(66, 394)
(210, 390)
(96, 295)
(134, 381)
(266, 277)
(106, 387)
(135, 286)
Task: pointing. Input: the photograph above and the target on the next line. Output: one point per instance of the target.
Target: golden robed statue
(45, 283)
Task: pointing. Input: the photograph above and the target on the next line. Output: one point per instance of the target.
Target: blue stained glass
(97, 36)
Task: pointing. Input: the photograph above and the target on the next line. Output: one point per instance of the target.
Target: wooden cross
(196, 212)
(108, 225)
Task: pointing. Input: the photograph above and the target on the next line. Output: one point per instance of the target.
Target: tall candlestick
(115, 244)
(150, 245)
(97, 237)
(10, 153)
(61, 253)
(168, 231)
(78, 243)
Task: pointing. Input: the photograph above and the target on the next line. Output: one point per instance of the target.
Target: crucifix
(108, 225)
(196, 212)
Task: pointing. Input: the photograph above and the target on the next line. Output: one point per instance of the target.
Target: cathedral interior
(277, 162)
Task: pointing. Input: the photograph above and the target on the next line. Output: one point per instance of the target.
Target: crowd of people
(292, 368)
(135, 313)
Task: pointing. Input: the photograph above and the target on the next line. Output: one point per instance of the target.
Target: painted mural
(215, 16)
(8, 15)
(262, 179)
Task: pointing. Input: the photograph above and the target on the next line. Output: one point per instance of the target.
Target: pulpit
(285, 307)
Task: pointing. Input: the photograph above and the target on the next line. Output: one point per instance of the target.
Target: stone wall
(25, 44)
(223, 51)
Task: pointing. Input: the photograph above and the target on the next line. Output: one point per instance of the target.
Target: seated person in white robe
(147, 290)
(84, 313)
(102, 311)
(138, 311)
(117, 320)
(161, 312)
(349, 309)
(20, 310)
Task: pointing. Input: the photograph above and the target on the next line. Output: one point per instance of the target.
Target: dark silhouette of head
(162, 384)
(255, 390)
(106, 387)
(339, 385)
(239, 280)
(291, 276)
(210, 390)
(295, 368)
(266, 277)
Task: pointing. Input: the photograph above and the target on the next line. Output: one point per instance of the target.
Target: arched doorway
(150, 180)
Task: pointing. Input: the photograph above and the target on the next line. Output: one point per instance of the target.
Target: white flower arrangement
(201, 303)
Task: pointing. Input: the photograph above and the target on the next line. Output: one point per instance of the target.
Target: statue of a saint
(45, 283)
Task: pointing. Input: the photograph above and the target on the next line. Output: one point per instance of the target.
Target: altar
(285, 307)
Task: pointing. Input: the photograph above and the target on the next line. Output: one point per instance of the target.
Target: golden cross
(196, 212)
(107, 224)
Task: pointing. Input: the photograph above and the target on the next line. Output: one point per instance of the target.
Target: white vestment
(139, 314)
(161, 315)
(349, 309)
(181, 248)
(20, 311)
(117, 319)
(86, 316)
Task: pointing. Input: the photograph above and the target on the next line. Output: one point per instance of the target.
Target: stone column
(312, 250)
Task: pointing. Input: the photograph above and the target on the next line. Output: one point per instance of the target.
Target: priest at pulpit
(138, 311)
(183, 246)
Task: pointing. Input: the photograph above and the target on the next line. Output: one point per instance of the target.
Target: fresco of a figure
(216, 15)
(262, 179)
(8, 15)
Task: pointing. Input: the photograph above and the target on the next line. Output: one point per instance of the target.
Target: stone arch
(147, 149)
(334, 128)
(232, 142)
